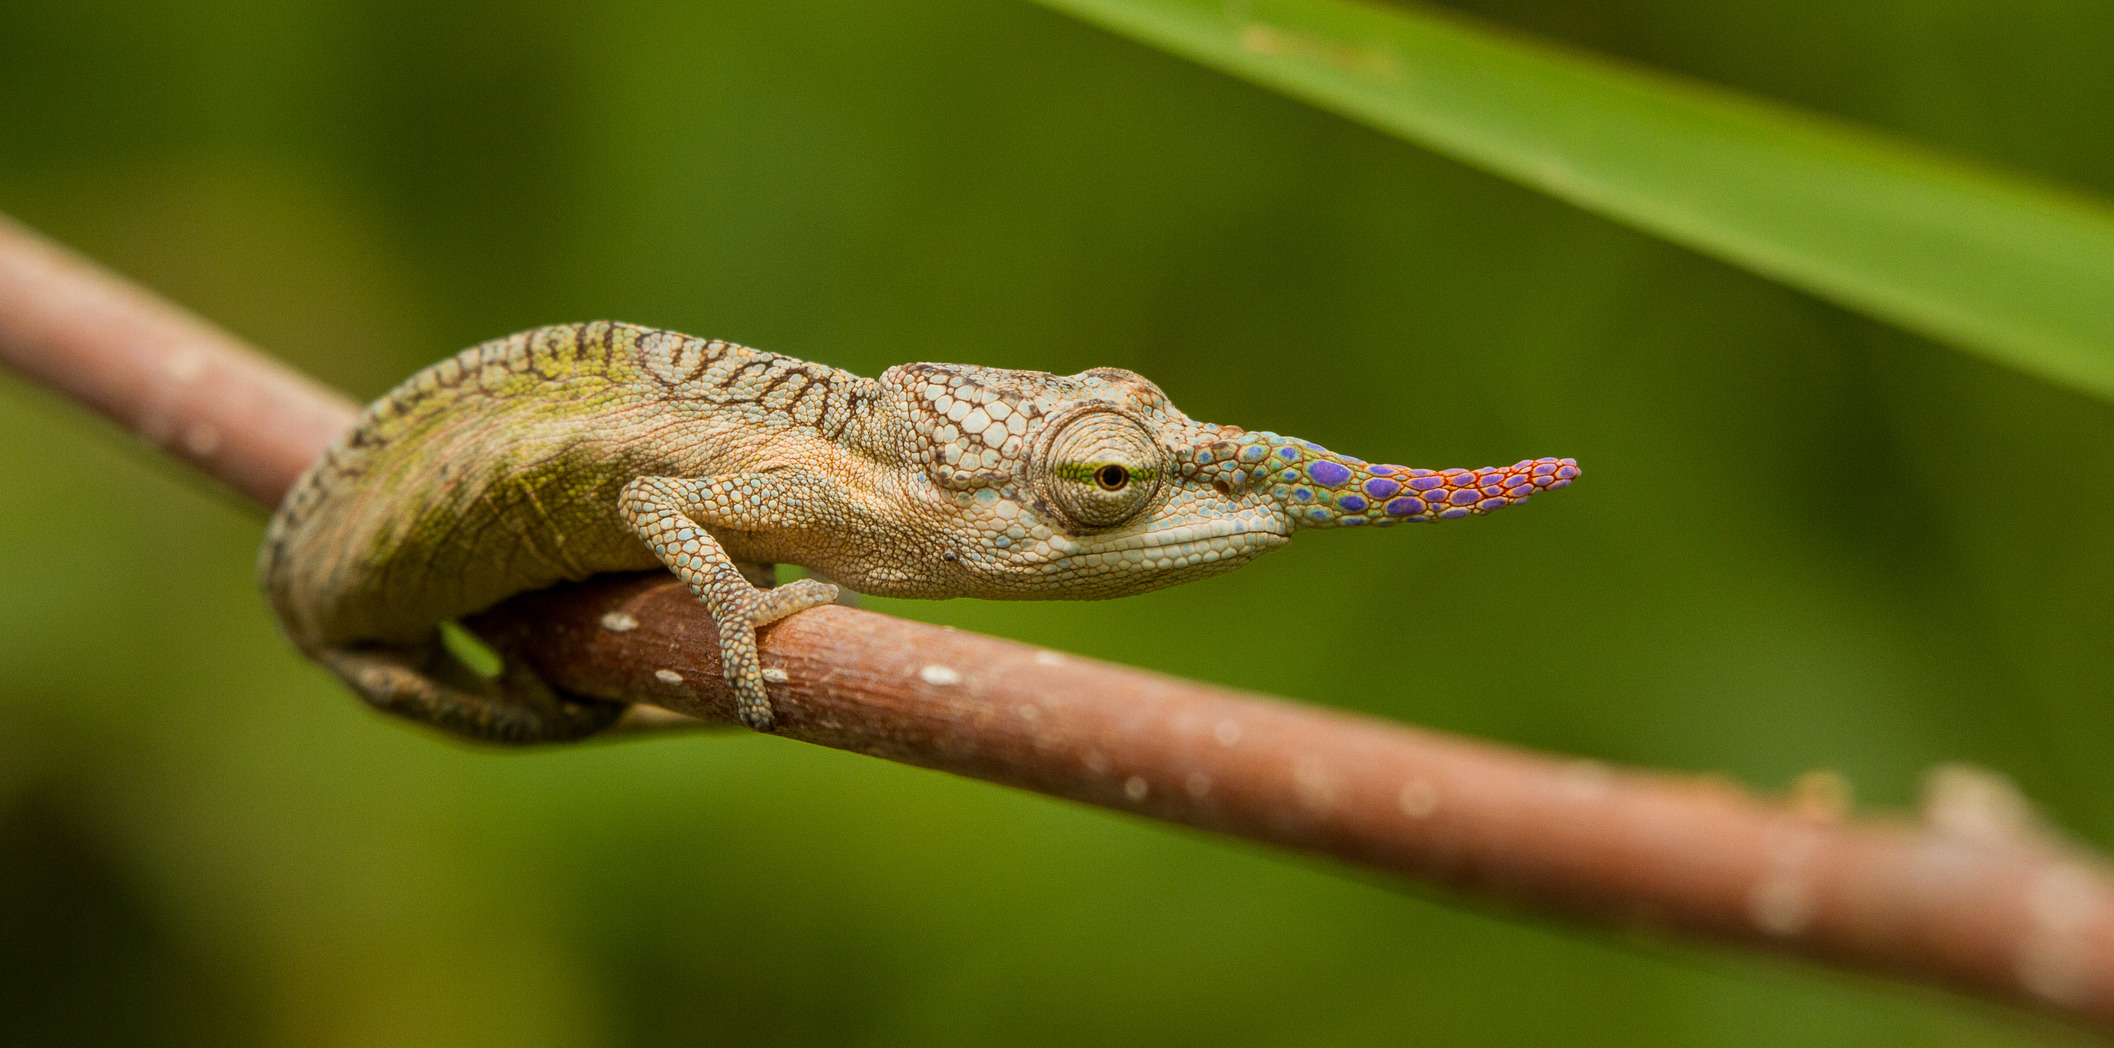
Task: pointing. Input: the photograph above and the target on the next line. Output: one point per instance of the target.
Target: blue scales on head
(1318, 488)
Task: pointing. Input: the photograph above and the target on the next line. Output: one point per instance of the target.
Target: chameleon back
(426, 511)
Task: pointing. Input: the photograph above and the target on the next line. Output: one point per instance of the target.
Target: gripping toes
(737, 641)
(663, 511)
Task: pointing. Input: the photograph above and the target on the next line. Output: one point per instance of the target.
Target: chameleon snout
(1318, 488)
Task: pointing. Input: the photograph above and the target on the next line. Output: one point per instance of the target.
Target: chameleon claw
(757, 718)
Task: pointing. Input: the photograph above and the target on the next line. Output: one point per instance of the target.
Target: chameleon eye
(1098, 468)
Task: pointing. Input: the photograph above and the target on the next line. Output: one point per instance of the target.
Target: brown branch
(1974, 896)
(184, 385)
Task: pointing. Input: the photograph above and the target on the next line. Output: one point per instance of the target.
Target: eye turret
(1098, 468)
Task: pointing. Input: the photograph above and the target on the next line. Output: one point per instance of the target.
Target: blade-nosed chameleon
(568, 451)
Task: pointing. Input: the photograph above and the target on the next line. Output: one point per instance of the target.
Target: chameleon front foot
(665, 513)
(739, 660)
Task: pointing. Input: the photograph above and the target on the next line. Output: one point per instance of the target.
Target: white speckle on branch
(1317, 788)
(201, 439)
(1781, 901)
(1781, 905)
(2055, 962)
(1418, 799)
(185, 365)
(1971, 803)
(1585, 780)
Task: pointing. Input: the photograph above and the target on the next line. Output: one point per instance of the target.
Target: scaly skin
(568, 451)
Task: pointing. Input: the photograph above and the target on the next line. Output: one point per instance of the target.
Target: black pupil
(1112, 477)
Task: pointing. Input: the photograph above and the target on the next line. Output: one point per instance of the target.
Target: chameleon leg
(423, 682)
(665, 512)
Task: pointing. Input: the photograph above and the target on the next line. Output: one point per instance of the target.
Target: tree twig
(1974, 896)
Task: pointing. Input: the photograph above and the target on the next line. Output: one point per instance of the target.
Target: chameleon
(567, 451)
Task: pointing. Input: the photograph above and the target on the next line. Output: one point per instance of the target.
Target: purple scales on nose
(1328, 474)
(1377, 494)
(1386, 494)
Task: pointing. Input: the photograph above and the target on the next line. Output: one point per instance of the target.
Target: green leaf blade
(1991, 263)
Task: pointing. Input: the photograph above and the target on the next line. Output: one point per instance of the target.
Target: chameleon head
(1095, 485)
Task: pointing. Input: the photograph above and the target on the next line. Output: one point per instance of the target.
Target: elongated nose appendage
(1317, 488)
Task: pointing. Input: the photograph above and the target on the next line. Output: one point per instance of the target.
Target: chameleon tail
(425, 683)
(1318, 488)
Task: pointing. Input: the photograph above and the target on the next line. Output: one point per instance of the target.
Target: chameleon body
(568, 451)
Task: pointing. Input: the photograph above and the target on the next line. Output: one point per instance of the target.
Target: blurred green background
(1804, 539)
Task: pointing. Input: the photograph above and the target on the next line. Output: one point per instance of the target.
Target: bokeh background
(1786, 552)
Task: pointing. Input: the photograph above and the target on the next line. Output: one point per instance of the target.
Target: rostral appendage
(1318, 488)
